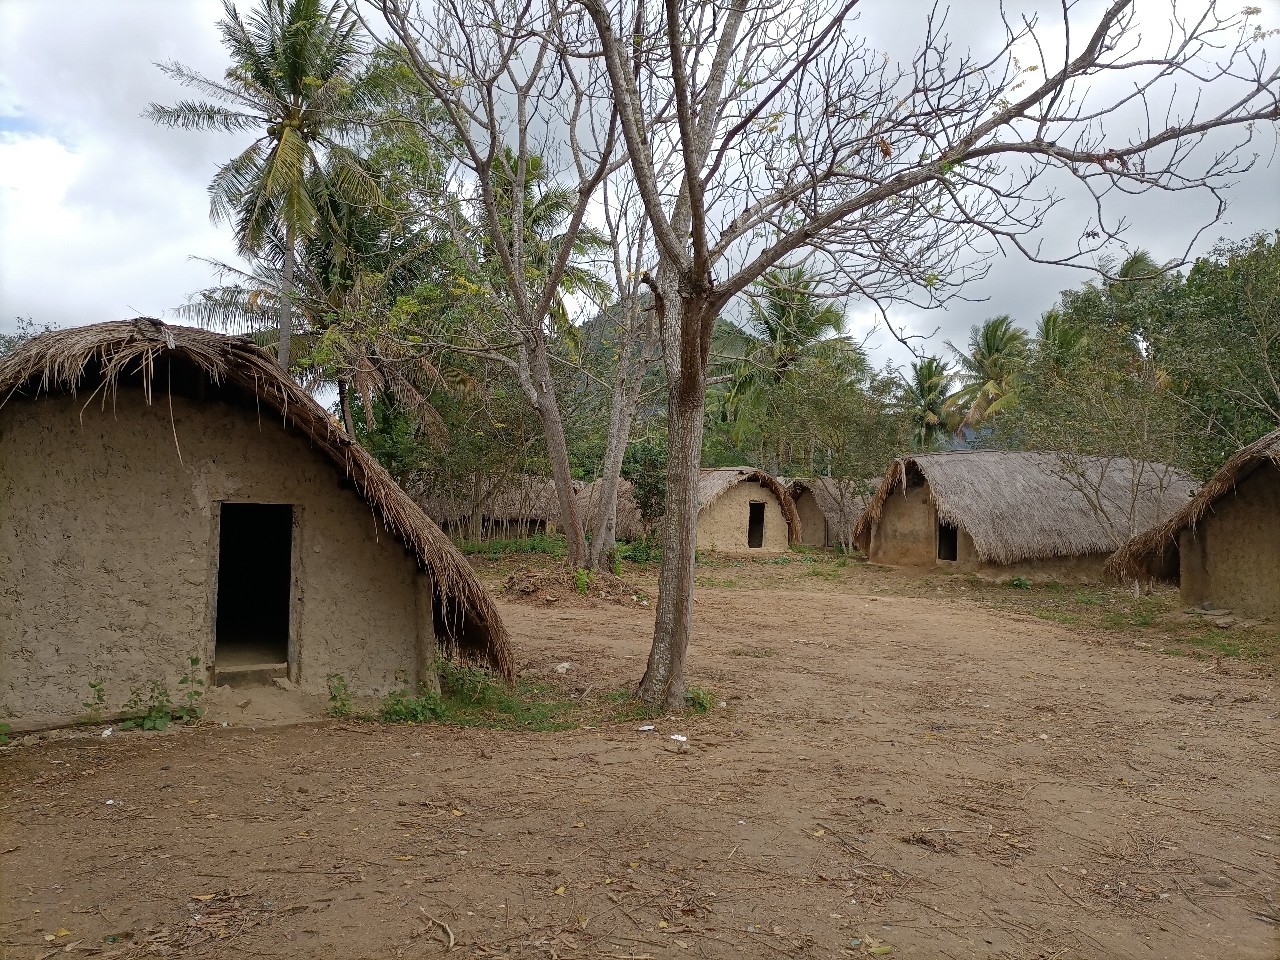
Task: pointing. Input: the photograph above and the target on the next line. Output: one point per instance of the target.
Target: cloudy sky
(101, 212)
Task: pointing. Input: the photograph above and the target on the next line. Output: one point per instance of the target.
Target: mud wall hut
(1015, 512)
(745, 510)
(167, 492)
(628, 523)
(1223, 547)
(829, 509)
(494, 507)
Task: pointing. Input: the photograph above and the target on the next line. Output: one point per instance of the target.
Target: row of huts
(168, 493)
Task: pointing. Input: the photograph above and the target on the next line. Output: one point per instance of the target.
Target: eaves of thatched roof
(1133, 558)
(1029, 505)
(842, 502)
(510, 499)
(99, 356)
(714, 482)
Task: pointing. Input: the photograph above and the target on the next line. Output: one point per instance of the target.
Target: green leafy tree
(788, 322)
(988, 372)
(292, 80)
(924, 396)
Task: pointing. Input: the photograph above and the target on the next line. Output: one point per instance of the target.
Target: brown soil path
(927, 776)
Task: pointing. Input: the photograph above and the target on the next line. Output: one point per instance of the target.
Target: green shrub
(339, 696)
(699, 700)
(97, 702)
(401, 706)
(1019, 583)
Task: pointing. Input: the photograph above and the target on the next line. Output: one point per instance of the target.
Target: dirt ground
(901, 768)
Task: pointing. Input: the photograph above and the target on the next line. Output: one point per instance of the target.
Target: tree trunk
(538, 386)
(286, 302)
(622, 410)
(663, 682)
(344, 404)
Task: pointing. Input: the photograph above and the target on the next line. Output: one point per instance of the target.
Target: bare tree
(760, 133)
(525, 111)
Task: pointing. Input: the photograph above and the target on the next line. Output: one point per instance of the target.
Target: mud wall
(906, 533)
(722, 527)
(813, 522)
(108, 540)
(1232, 558)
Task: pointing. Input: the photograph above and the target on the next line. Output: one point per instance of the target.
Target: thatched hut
(168, 492)
(494, 507)
(1223, 547)
(1015, 512)
(742, 510)
(829, 509)
(628, 523)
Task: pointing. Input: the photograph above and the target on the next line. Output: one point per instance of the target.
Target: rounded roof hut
(732, 519)
(1252, 554)
(1027, 505)
(130, 440)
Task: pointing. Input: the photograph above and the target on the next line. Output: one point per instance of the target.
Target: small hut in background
(1012, 512)
(629, 524)
(1223, 547)
(168, 492)
(494, 507)
(742, 510)
(829, 509)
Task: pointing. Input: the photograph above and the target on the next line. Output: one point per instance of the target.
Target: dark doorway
(254, 576)
(948, 538)
(755, 524)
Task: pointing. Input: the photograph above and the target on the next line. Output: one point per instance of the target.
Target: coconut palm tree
(1057, 339)
(545, 210)
(293, 80)
(925, 397)
(788, 322)
(989, 370)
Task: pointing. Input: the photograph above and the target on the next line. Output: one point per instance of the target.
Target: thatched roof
(99, 357)
(713, 482)
(1028, 505)
(1134, 557)
(628, 525)
(842, 502)
(511, 499)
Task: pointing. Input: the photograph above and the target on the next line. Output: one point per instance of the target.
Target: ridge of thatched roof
(1131, 559)
(513, 499)
(99, 355)
(1030, 505)
(842, 502)
(713, 482)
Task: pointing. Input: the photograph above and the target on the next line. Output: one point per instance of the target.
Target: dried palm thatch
(100, 357)
(1148, 550)
(1030, 505)
(713, 482)
(842, 502)
(628, 524)
(504, 501)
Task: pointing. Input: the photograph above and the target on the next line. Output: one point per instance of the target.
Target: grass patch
(1057, 616)
(760, 652)
(1224, 643)
(705, 581)
(1142, 612)
(472, 697)
(543, 544)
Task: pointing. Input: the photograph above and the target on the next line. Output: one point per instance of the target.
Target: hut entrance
(255, 542)
(947, 541)
(755, 524)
